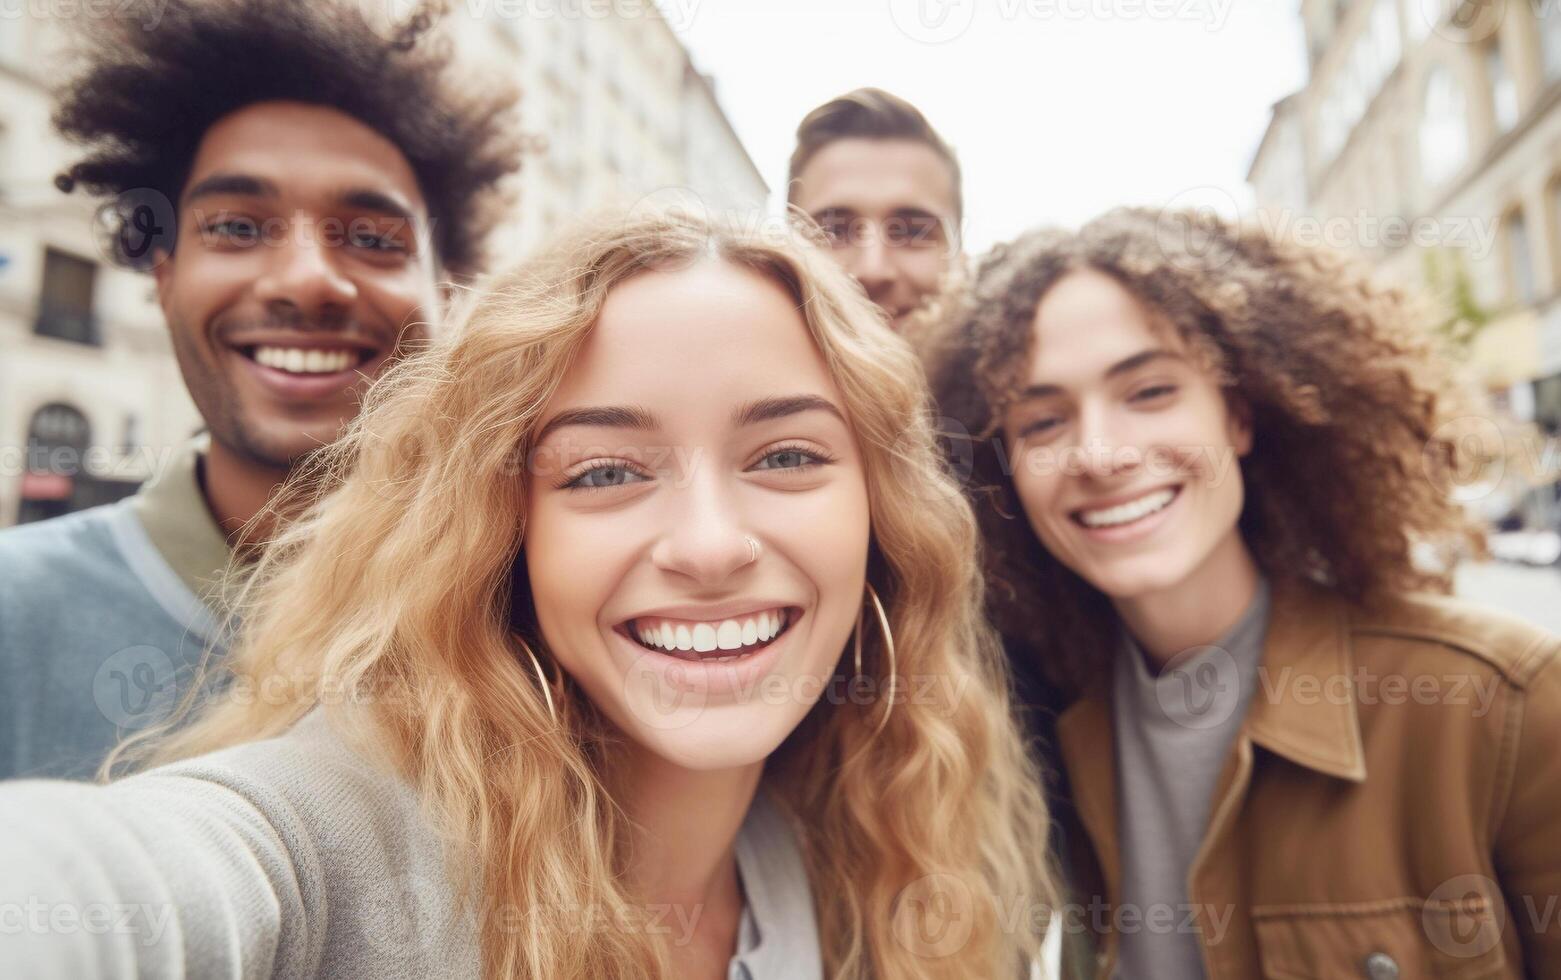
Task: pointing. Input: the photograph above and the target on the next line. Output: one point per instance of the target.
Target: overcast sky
(1059, 109)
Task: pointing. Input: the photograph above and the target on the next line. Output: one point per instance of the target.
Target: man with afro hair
(302, 183)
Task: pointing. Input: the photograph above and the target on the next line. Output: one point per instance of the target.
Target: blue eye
(375, 243)
(789, 459)
(240, 231)
(605, 476)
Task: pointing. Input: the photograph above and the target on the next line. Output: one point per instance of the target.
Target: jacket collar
(173, 511)
(1304, 708)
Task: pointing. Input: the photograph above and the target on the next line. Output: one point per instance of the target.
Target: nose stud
(753, 548)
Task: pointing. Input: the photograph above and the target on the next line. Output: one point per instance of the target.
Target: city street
(1533, 593)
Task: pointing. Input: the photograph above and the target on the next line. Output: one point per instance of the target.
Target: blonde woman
(634, 631)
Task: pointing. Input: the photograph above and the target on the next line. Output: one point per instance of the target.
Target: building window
(1371, 59)
(1418, 17)
(57, 439)
(1520, 260)
(1444, 128)
(1550, 39)
(1554, 225)
(1504, 92)
(130, 436)
(65, 301)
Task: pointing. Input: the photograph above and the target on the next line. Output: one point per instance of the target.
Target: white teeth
(726, 634)
(297, 360)
(729, 635)
(1129, 512)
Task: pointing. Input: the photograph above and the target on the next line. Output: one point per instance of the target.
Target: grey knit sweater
(292, 858)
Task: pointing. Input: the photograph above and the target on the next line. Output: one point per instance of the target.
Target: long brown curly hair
(1357, 416)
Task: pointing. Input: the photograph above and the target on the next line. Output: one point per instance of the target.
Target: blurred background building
(91, 400)
(1428, 138)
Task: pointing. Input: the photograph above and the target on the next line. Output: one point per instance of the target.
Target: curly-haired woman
(1283, 753)
(598, 655)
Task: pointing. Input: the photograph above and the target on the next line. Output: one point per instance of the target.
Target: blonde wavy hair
(399, 593)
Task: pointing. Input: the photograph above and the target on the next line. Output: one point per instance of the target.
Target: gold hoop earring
(547, 689)
(888, 643)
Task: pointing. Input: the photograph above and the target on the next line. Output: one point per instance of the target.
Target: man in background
(885, 189)
(298, 182)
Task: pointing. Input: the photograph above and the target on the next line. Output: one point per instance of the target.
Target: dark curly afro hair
(156, 76)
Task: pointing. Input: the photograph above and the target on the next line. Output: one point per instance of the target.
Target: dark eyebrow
(367, 199)
(606, 416)
(766, 409)
(1124, 366)
(832, 212)
(245, 185)
(242, 184)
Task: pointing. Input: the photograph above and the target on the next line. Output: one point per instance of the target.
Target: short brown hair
(868, 113)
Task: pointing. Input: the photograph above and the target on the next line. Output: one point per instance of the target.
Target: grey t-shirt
(1173, 732)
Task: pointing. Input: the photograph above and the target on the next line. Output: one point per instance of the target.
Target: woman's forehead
(695, 339)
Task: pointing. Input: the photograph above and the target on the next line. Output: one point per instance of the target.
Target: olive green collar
(172, 508)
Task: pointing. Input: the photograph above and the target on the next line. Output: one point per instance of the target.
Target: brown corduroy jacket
(1390, 808)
